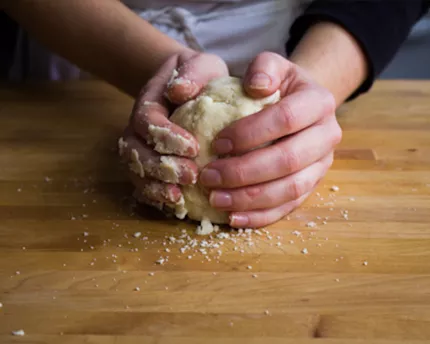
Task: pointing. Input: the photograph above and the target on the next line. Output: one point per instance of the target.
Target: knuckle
(238, 175)
(138, 118)
(297, 188)
(265, 220)
(253, 192)
(285, 117)
(250, 194)
(267, 55)
(245, 198)
(244, 136)
(289, 160)
(328, 102)
(154, 82)
(218, 65)
(258, 219)
(336, 133)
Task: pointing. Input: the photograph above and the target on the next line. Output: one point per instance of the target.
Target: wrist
(333, 58)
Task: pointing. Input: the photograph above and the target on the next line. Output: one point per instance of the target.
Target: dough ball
(222, 102)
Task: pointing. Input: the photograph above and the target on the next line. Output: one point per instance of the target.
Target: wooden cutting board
(73, 268)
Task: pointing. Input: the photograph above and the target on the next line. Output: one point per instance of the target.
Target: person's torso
(236, 30)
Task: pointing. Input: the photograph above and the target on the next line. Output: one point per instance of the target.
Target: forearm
(333, 58)
(103, 37)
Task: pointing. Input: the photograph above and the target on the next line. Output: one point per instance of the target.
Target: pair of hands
(257, 186)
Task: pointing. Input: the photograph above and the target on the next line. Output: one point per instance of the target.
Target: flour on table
(220, 104)
(18, 333)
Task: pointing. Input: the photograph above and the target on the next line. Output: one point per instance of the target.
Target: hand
(260, 186)
(157, 150)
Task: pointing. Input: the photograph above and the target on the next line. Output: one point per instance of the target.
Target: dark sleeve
(379, 26)
(8, 38)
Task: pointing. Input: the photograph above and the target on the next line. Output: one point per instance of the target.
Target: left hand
(260, 186)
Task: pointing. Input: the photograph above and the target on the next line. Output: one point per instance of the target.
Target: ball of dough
(222, 102)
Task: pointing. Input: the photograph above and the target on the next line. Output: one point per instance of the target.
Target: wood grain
(59, 178)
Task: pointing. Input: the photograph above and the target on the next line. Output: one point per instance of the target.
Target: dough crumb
(18, 333)
(365, 263)
(160, 261)
(334, 188)
(174, 75)
(148, 103)
(122, 145)
(137, 235)
(311, 224)
(172, 239)
(180, 209)
(169, 170)
(305, 251)
(167, 142)
(135, 165)
(205, 227)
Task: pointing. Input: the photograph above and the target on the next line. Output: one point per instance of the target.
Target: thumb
(264, 75)
(193, 75)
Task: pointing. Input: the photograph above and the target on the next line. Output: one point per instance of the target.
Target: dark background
(413, 59)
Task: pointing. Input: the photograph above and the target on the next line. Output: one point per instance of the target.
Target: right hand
(163, 149)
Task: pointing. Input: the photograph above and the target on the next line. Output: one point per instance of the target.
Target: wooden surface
(59, 178)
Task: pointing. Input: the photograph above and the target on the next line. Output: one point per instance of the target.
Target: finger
(261, 218)
(265, 74)
(271, 194)
(193, 75)
(166, 137)
(285, 157)
(143, 200)
(154, 89)
(149, 117)
(143, 161)
(292, 114)
(154, 191)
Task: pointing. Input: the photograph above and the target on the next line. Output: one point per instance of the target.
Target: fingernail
(260, 81)
(220, 199)
(210, 178)
(239, 220)
(223, 146)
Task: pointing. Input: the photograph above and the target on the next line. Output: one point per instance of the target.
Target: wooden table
(67, 273)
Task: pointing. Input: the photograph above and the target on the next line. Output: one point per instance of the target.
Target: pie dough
(222, 102)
